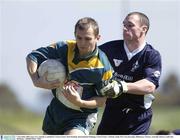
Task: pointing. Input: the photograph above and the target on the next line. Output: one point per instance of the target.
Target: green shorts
(59, 119)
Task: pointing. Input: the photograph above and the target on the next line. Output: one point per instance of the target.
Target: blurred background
(29, 24)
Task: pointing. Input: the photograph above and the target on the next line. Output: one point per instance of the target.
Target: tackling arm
(141, 87)
(114, 89)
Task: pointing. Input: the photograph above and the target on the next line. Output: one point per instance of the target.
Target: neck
(132, 45)
(87, 55)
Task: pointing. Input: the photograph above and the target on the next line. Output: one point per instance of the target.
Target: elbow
(151, 89)
(27, 58)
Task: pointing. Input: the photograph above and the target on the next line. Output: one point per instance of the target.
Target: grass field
(165, 118)
(20, 123)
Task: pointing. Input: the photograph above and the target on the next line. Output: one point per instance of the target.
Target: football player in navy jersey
(137, 67)
(87, 66)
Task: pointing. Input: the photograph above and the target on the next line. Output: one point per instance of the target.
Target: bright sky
(30, 24)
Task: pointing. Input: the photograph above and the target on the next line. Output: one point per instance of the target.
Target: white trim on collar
(134, 52)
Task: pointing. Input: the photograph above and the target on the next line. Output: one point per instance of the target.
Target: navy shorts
(125, 121)
(59, 119)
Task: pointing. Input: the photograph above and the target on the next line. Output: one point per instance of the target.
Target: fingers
(67, 92)
(69, 89)
(75, 83)
(44, 83)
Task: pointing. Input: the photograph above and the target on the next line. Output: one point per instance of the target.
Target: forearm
(72, 94)
(114, 89)
(93, 102)
(141, 87)
(32, 70)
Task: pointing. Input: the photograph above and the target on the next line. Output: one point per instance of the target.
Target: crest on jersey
(157, 74)
(117, 62)
(135, 66)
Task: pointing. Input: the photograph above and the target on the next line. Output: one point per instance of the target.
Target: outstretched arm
(141, 87)
(114, 89)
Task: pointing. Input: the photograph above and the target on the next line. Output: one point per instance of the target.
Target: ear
(98, 37)
(144, 29)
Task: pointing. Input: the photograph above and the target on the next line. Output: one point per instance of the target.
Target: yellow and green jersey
(88, 71)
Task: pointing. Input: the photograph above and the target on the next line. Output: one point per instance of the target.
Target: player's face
(132, 29)
(86, 41)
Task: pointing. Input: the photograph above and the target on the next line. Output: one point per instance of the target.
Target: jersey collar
(134, 52)
(77, 58)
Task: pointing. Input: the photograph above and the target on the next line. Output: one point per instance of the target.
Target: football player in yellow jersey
(70, 113)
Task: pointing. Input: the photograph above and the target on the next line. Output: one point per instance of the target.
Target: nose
(125, 28)
(83, 42)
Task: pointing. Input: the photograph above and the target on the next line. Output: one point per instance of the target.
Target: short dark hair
(144, 20)
(85, 23)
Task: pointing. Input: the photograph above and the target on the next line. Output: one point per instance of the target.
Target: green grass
(26, 123)
(20, 123)
(165, 118)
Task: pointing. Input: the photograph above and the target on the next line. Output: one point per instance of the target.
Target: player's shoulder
(102, 57)
(64, 46)
(101, 54)
(151, 50)
(65, 43)
(112, 43)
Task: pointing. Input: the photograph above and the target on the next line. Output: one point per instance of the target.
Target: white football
(56, 70)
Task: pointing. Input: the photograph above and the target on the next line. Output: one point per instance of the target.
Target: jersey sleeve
(153, 68)
(107, 72)
(53, 51)
(108, 69)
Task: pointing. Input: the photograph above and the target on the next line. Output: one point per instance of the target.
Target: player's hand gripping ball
(75, 85)
(60, 96)
(56, 70)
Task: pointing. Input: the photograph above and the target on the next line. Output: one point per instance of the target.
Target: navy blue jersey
(144, 65)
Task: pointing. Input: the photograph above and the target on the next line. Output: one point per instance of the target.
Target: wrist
(124, 86)
(81, 103)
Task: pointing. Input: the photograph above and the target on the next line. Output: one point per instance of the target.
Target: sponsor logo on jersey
(117, 62)
(123, 77)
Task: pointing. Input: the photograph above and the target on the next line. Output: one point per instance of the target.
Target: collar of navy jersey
(134, 52)
(77, 58)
